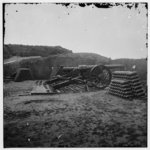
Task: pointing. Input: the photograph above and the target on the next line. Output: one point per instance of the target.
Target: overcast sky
(117, 32)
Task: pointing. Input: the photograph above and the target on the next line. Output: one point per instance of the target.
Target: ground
(91, 119)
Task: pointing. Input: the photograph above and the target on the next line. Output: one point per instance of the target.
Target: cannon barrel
(115, 66)
(82, 67)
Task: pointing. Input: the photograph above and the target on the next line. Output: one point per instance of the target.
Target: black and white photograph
(75, 75)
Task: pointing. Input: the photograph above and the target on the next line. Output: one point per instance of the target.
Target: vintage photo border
(1, 66)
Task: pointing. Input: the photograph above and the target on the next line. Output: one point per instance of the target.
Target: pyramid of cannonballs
(126, 84)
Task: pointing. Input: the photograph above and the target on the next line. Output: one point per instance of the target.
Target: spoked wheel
(101, 76)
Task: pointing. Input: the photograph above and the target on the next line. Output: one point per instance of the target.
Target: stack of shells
(126, 84)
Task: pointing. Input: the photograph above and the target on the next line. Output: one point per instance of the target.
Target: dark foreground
(94, 119)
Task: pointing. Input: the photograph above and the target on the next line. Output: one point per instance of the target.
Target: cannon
(99, 75)
(85, 77)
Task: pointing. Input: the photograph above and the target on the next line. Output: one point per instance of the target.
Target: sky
(116, 32)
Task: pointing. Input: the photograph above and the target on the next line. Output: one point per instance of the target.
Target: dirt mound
(10, 50)
(41, 66)
(75, 59)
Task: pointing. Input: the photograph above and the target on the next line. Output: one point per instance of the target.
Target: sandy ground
(18, 58)
(92, 119)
